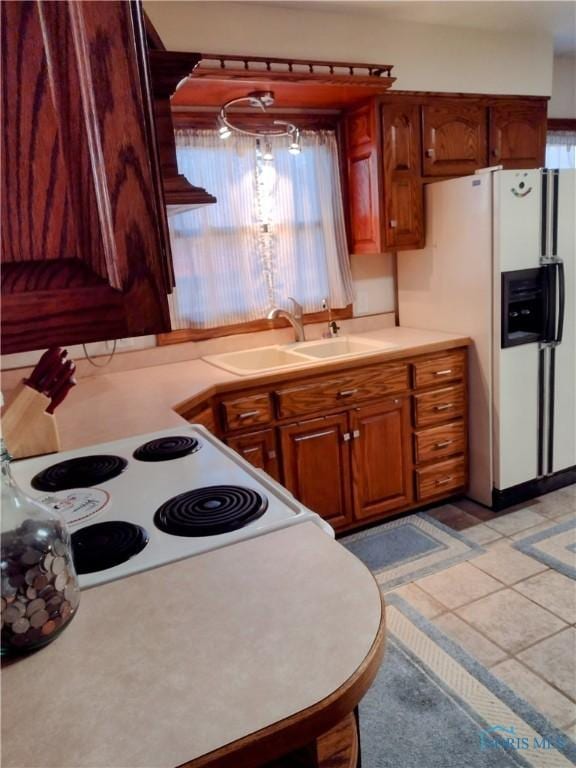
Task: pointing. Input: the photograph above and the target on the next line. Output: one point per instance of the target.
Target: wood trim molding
(561, 124)
(201, 334)
(303, 728)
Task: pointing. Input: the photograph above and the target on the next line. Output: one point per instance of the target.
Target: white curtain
(277, 229)
(561, 149)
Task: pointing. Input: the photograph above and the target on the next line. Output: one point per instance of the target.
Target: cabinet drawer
(247, 411)
(337, 392)
(430, 373)
(439, 442)
(440, 405)
(440, 478)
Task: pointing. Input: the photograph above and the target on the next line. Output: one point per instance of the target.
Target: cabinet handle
(444, 407)
(346, 436)
(445, 372)
(347, 392)
(248, 414)
(356, 434)
(301, 438)
(393, 224)
(443, 444)
(249, 450)
(430, 152)
(496, 152)
(271, 454)
(444, 480)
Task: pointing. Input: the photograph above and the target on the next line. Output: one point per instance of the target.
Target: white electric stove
(152, 499)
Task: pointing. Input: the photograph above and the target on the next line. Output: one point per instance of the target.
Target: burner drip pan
(82, 472)
(167, 448)
(104, 545)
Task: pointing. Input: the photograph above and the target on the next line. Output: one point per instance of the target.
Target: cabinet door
(518, 135)
(453, 139)
(316, 466)
(404, 202)
(83, 257)
(381, 457)
(363, 180)
(259, 448)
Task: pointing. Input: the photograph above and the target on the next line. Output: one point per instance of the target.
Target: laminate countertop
(165, 666)
(109, 407)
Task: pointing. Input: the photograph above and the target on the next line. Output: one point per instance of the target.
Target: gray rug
(555, 547)
(434, 706)
(407, 549)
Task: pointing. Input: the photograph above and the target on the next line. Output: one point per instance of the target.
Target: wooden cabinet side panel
(363, 180)
(76, 167)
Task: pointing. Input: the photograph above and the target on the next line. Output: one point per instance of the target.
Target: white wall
(563, 101)
(425, 56)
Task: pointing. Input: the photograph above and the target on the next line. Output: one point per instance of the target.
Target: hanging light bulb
(295, 147)
(267, 152)
(223, 131)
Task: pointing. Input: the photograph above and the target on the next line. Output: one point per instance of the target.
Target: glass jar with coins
(39, 586)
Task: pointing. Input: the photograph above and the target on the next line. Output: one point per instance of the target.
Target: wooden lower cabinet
(259, 448)
(316, 463)
(381, 460)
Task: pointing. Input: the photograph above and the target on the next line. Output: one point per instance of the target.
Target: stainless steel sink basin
(267, 359)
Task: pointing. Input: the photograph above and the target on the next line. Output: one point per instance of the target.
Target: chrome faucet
(295, 318)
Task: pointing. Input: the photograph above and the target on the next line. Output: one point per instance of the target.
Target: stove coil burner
(210, 511)
(104, 545)
(166, 448)
(82, 472)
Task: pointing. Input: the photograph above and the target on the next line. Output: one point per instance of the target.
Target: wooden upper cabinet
(381, 461)
(403, 198)
(453, 139)
(316, 464)
(363, 158)
(518, 135)
(83, 255)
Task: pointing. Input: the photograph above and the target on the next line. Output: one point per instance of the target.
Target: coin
(20, 626)
(2, 604)
(35, 605)
(58, 565)
(31, 556)
(65, 610)
(54, 602)
(14, 612)
(61, 580)
(31, 574)
(31, 593)
(46, 563)
(59, 547)
(39, 618)
(49, 627)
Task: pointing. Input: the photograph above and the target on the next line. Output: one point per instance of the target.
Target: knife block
(26, 427)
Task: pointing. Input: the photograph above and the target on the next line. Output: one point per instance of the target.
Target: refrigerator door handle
(549, 300)
(561, 301)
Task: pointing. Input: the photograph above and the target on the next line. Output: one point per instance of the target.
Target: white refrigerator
(500, 266)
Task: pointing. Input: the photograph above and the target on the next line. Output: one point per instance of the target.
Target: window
(561, 149)
(277, 230)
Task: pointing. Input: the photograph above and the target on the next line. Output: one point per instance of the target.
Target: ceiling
(557, 17)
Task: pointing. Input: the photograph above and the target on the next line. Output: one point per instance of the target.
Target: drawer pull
(248, 414)
(444, 480)
(346, 436)
(443, 444)
(356, 434)
(316, 434)
(246, 451)
(347, 392)
(445, 372)
(444, 407)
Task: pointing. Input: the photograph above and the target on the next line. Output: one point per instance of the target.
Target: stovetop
(158, 494)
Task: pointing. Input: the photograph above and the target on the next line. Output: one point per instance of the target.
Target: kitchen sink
(345, 346)
(257, 360)
(267, 359)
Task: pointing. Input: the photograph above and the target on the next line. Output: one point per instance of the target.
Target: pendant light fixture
(261, 100)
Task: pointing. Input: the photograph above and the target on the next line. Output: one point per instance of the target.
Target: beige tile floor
(510, 611)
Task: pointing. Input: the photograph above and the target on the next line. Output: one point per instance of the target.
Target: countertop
(110, 407)
(162, 667)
